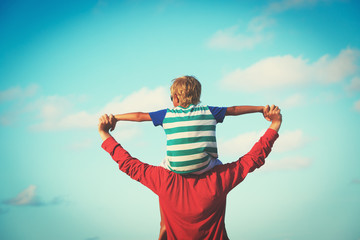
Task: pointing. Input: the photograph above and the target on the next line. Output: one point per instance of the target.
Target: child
(189, 127)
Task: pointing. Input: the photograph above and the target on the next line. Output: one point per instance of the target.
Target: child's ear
(175, 100)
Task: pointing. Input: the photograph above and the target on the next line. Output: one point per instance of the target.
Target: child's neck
(183, 105)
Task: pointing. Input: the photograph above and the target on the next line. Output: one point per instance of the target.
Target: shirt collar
(190, 106)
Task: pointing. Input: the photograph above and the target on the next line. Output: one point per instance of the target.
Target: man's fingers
(101, 119)
(273, 108)
(273, 112)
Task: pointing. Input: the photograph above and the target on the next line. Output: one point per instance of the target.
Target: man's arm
(105, 124)
(148, 175)
(274, 115)
(236, 172)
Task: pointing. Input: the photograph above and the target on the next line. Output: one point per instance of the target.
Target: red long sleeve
(234, 173)
(144, 173)
(193, 206)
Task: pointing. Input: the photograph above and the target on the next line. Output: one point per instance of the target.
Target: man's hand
(105, 124)
(275, 117)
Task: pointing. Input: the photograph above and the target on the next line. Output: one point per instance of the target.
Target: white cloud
(355, 181)
(3, 211)
(268, 73)
(354, 85)
(143, 100)
(286, 143)
(165, 4)
(53, 107)
(293, 101)
(285, 5)
(57, 113)
(290, 140)
(241, 144)
(282, 6)
(13, 102)
(288, 71)
(260, 23)
(288, 163)
(51, 113)
(231, 39)
(9, 117)
(125, 131)
(26, 197)
(54, 112)
(329, 70)
(357, 105)
(18, 92)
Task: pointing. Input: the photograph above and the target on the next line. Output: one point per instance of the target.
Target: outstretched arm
(134, 117)
(236, 172)
(148, 175)
(239, 110)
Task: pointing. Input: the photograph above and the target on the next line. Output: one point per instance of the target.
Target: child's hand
(266, 110)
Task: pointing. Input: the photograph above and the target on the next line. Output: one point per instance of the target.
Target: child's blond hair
(187, 89)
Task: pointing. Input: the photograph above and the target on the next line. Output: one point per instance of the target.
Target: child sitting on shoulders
(189, 127)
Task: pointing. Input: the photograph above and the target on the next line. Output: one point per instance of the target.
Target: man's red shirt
(193, 206)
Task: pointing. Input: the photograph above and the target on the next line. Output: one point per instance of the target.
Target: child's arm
(239, 110)
(134, 117)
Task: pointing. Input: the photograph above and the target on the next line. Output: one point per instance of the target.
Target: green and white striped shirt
(191, 140)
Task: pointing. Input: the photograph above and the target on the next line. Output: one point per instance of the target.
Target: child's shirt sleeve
(218, 113)
(158, 117)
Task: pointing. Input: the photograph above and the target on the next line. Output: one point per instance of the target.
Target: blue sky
(64, 63)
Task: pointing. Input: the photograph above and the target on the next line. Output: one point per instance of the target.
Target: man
(192, 206)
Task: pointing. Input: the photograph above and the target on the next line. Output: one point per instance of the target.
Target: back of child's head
(187, 89)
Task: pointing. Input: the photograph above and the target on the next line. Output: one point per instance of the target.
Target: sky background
(64, 63)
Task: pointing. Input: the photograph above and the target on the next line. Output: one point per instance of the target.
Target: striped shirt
(191, 140)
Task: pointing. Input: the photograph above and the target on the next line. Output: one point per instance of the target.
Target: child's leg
(162, 235)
